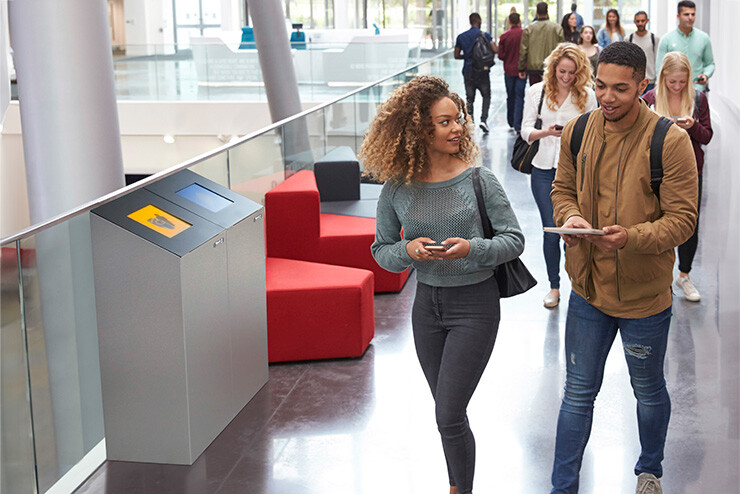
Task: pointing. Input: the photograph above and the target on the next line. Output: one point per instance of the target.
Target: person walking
(692, 42)
(612, 29)
(508, 51)
(579, 17)
(475, 80)
(570, 32)
(586, 43)
(674, 97)
(567, 91)
(538, 40)
(648, 42)
(421, 146)
(621, 280)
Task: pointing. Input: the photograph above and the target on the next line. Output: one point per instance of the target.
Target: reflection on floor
(367, 425)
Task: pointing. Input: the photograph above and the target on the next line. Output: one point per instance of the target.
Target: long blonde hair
(674, 62)
(582, 76)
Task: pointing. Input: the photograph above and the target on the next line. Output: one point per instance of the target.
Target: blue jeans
(514, 100)
(454, 332)
(541, 186)
(589, 334)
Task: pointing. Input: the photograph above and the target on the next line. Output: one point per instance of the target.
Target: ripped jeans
(589, 334)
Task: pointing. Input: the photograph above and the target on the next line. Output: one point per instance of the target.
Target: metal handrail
(60, 218)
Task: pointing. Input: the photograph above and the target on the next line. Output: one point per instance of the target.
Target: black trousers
(687, 250)
(478, 81)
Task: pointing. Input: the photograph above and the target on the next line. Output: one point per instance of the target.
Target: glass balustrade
(51, 410)
(214, 69)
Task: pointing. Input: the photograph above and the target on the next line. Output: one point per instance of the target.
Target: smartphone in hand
(682, 120)
(558, 127)
(438, 248)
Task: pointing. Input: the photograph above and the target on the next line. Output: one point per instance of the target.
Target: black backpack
(656, 148)
(482, 53)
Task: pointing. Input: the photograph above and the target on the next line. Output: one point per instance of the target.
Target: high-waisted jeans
(541, 184)
(589, 334)
(454, 332)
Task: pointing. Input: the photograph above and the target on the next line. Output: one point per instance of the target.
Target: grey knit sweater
(443, 210)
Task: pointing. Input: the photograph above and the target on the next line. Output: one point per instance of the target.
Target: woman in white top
(567, 90)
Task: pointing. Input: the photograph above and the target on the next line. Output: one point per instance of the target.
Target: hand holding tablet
(574, 231)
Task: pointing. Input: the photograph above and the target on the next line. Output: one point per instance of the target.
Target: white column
(72, 150)
(4, 72)
(230, 17)
(66, 93)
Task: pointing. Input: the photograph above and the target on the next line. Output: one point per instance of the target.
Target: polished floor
(366, 425)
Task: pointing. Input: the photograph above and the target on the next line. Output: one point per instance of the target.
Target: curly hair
(582, 76)
(395, 144)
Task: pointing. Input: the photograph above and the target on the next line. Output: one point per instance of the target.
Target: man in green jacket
(538, 40)
(692, 42)
(620, 279)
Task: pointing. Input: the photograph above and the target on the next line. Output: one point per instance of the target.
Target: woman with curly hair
(566, 87)
(420, 145)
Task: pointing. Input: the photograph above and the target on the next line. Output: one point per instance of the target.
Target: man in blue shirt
(692, 42)
(479, 80)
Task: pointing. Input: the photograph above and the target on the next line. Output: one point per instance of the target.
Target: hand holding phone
(558, 127)
(681, 120)
(435, 247)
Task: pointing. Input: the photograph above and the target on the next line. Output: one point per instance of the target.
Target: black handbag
(521, 156)
(512, 277)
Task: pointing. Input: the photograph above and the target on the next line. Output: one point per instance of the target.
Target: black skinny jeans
(454, 332)
(687, 250)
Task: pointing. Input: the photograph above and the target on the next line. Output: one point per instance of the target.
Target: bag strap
(576, 137)
(656, 154)
(538, 122)
(487, 228)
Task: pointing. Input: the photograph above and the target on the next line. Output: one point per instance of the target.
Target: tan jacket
(538, 40)
(613, 188)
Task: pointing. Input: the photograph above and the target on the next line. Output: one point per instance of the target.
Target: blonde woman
(420, 144)
(612, 29)
(566, 87)
(674, 97)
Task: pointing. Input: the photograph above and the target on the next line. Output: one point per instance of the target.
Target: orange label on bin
(159, 221)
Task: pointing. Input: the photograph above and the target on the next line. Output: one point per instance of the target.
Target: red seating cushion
(317, 311)
(296, 229)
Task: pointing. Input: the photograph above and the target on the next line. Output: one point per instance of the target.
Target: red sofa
(317, 311)
(295, 228)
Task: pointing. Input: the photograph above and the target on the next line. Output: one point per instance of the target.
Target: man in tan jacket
(538, 40)
(621, 280)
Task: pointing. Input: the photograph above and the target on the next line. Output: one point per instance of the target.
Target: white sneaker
(647, 483)
(484, 127)
(689, 290)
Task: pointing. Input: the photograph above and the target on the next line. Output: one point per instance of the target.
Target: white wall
(148, 23)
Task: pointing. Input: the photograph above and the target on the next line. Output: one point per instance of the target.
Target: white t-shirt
(646, 43)
(549, 151)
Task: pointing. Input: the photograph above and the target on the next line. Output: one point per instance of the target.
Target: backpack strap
(697, 101)
(576, 137)
(656, 154)
(631, 37)
(652, 38)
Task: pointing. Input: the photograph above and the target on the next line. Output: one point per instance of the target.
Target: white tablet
(574, 231)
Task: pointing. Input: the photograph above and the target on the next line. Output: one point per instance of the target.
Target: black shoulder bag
(512, 277)
(521, 156)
